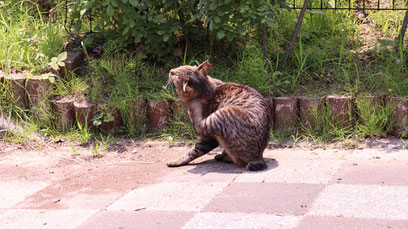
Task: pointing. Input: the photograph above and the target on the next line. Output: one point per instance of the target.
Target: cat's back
(233, 94)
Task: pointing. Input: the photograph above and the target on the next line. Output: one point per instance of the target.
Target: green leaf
(54, 66)
(213, 5)
(243, 8)
(166, 37)
(51, 79)
(78, 25)
(62, 56)
(110, 10)
(221, 34)
(108, 118)
(125, 30)
(211, 26)
(54, 60)
(217, 19)
(97, 122)
(62, 64)
(138, 37)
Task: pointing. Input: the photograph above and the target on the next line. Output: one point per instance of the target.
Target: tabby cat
(232, 115)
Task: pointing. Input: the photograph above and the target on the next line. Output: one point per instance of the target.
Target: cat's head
(192, 81)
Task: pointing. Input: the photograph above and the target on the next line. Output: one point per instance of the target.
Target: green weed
(375, 119)
(98, 148)
(179, 126)
(85, 134)
(27, 39)
(324, 128)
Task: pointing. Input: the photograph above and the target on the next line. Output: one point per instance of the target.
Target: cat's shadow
(213, 166)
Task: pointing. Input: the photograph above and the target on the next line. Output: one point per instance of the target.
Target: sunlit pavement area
(303, 187)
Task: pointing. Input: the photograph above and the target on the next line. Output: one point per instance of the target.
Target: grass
(28, 39)
(330, 56)
(374, 118)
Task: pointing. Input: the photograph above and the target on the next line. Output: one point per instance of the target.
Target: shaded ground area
(131, 187)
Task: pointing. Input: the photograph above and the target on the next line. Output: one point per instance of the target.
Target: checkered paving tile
(138, 219)
(294, 171)
(373, 173)
(41, 218)
(364, 201)
(241, 220)
(321, 189)
(272, 198)
(339, 222)
(170, 196)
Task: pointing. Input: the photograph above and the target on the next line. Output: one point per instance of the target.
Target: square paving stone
(268, 198)
(30, 218)
(347, 223)
(373, 173)
(138, 219)
(240, 220)
(72, 200)
(391, 154)
(294, 171)
(14, 192)
(209, 171)
(171, 196)
(364, 201)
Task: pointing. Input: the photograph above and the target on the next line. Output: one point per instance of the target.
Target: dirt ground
(70, 172)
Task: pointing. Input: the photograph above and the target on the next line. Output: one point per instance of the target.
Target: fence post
(400, 38)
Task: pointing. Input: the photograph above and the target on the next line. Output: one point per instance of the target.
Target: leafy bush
(161, 26)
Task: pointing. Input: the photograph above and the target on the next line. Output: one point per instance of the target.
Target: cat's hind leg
(223, 157)
(203, 146)
(256, 165)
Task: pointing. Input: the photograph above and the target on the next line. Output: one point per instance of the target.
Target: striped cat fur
(232, 115)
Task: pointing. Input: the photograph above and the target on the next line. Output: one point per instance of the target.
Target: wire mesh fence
(351, 4)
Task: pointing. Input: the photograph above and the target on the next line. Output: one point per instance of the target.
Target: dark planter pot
(64, 112)
(399, 116)
(16, 92)
(139, 111)
(271, 110)
(1, 79)
(38, 90)
(84, 111)
(179, 111)
(341, 110)
(72, 62)
(158, 113)
(285, 113)
(309, 110)
(111, 126)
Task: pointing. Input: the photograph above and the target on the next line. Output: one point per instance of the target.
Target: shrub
(161, 26)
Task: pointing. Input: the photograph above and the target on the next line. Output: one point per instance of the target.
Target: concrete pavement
(302, 188)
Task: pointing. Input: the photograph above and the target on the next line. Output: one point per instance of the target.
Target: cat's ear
(204, 68)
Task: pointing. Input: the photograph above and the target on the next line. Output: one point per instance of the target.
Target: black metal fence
(352, 5)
